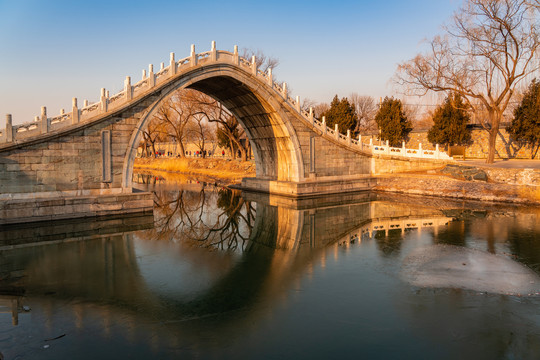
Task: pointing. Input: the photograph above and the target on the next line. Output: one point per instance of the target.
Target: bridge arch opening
(262, 115)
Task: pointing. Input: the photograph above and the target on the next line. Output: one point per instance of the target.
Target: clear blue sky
(51, 51)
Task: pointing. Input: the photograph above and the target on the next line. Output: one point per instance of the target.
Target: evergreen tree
(341, 112)
(450, 122)
(525, 125)
(392, 122)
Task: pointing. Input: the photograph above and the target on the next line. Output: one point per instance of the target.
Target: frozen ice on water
(447, 266)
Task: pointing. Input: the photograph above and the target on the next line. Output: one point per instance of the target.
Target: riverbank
(519, 186)
(449, 187)
(224, 171)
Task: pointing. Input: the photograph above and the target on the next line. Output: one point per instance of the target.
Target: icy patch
(446, 266)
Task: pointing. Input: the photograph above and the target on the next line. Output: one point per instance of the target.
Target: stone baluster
(311, 119)
(253, 65)
(298, 103)
(213, 52)
(349, 137)
(172, 65)
(420, 151)
(285, 90)
(161, 66)
(387, 148)
(8, 135)
(151, 76)
(193, 59)
(324, 128)
(437, 152)
(75, 116)
(128, 89)
(360, 142)
(143, 74)
(103, 100)
(236, 59)
(85, 103)
(44, 120)
(403, 151)
(336, 131)
(270, 78)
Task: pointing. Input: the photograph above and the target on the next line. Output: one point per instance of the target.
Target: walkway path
(504, 164)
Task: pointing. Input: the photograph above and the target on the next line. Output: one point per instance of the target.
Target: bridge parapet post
(298, 103)
(387, 147)
(285, 94)
(193, 56)
(420, 151)
(103, 100)
(128, 89)
(311, 119)
(74, 111)
(236, 58)
(360, 142)
(8, 135)
(44, 121)
(253, 65)
(336, 131)
(172, 65)
(349, 137)
(151, 76)
(437, 152)
(213, 52)
(324, 127)
(270, 78)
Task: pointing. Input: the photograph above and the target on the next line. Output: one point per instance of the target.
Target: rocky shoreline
(449, 187)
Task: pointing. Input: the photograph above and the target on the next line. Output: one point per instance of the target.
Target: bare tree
(488, 49)
(177, 112)
(202, 133)
(155, 131)
(308, 103)
(263, 61)
(320, 109)
(366, 108)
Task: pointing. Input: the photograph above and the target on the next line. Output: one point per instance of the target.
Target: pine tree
(392, 122)
(341, 112)
(525, 126)
(450, 122)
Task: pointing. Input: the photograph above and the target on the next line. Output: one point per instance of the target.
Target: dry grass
(231, 170)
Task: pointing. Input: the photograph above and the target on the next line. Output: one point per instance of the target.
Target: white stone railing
(176, 68)
(402, 224)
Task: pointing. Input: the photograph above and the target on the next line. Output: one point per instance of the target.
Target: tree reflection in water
(196, 217)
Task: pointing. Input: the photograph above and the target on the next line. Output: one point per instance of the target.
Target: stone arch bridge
(80, 163)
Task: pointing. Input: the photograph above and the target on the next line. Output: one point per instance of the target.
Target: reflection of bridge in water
(111, 273)
(395, 224)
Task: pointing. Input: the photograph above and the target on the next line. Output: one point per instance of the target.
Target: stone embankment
(521, 186)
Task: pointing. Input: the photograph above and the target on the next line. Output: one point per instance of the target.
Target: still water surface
(217, 274)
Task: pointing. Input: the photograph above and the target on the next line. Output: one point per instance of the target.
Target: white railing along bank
(150, 80)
